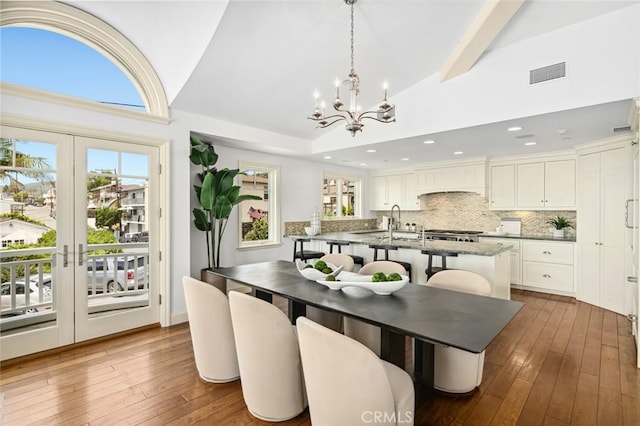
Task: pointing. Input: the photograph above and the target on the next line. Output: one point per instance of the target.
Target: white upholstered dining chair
(455, 370)
(347, 384)
(214, 348)
(321, 316)
(367, 334)
(269, 359)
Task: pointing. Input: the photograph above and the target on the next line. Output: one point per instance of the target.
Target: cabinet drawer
(513, 242)
(547, 276)
(542, 251)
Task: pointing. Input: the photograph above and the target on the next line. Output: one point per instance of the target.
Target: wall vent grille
(547, 73)
(622, 129)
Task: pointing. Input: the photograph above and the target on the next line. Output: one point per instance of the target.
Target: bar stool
(357, 260)
(386, 248)
(303, 254)
(431, 270)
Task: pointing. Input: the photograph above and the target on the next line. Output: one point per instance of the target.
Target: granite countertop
(546, 237)
(373, 237)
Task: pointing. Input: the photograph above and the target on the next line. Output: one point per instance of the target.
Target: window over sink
(341, 196)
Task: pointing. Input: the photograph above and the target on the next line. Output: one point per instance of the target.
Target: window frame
(273, 186)
(340, 178)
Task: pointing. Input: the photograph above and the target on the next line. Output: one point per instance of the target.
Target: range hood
(467, 176)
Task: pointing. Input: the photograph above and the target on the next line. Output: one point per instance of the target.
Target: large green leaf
(202, 154)
(208, 192)
(201, 221)
(222, 208)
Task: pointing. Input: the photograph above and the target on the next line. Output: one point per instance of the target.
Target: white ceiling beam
(493, 17)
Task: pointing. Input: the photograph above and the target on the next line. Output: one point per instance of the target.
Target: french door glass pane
(28, 233)
(117, 259)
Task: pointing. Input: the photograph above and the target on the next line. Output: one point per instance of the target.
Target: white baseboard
(179, 318)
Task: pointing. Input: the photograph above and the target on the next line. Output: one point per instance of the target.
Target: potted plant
(559, 224)
(217, 196)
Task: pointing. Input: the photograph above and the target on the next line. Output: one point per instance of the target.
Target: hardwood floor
(558, 362)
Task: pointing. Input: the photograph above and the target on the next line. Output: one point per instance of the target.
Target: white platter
(384, 288)
(314, 274)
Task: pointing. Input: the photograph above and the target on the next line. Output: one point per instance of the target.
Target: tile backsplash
(470, 211)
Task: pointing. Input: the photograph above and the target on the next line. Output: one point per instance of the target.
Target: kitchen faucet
(391, 224)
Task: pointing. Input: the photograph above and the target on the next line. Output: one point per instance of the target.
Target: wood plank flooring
(558, 362)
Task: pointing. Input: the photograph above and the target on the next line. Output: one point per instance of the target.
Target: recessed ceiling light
(429, 142)
(363, 164)
(514, 129)
(371, 150)
(529, 143)
(458, 153)
(562, 131)
(327, 157)
(404, 159)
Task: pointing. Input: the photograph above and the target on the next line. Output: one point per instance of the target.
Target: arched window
(85, 28)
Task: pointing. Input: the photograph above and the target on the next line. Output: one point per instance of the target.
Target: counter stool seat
(357, 260)
(386, 248)
(303, 254)
(431, 270)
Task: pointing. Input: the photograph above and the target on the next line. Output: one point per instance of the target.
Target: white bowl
(311, 231)
(384, 288)
(313, 274)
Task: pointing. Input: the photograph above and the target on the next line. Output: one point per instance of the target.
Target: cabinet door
(560, 184)
(502, 186)
(411, 201)
(378, 193)
(530, 188)
(395, 190)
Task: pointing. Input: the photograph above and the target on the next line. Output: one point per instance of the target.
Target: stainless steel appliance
(452, 235)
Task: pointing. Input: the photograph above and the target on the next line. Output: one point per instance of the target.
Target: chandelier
(384, 114)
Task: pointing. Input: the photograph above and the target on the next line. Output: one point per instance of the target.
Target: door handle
(80, 254)
(546, 276)
(632, 279)
(65, 255)
(546, 252)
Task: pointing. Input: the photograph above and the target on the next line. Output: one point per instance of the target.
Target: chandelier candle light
(384, 114)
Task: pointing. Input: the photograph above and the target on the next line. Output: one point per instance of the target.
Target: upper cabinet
(387, 190)
(549, 184)
(528, 184)
(503, 186)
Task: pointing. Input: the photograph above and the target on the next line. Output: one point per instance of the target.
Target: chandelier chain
(352, 68)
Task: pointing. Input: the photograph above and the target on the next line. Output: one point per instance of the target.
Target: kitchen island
(492, 261)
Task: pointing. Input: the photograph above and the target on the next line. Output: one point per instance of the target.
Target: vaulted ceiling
(257, 64)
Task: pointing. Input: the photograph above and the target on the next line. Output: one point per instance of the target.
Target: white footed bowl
(313, 274)
(311, 231)
(383, 288)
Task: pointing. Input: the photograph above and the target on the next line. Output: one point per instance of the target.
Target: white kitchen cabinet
(503, 183)
(546, 185)
(393, 189)
(602, 190)
(514, 253)
(548, 266)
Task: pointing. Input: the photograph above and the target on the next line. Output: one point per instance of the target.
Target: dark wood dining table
(432, 316)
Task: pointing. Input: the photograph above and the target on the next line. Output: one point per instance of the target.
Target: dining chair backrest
(462, 281)
(345, 380)
(268, 357)
(339, 259)
(214, 347)
(385, 266)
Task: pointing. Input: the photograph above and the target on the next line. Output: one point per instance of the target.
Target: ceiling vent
(547, 73)
(524, 136)
(622, 129)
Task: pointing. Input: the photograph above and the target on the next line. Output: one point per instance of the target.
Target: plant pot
(207, 276)
(558, 233)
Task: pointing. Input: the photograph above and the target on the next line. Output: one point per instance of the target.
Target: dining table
(429, 315)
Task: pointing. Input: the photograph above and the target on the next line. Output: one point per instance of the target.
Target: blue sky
(49, 61)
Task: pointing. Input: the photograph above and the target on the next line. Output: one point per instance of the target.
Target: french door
(80, 258)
